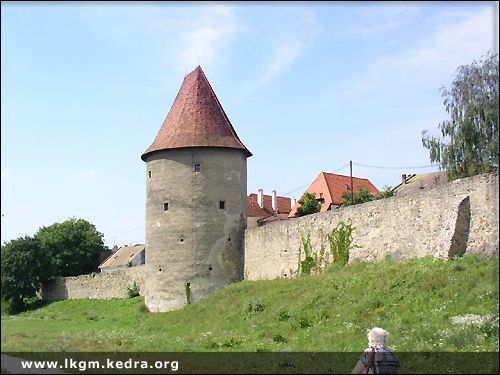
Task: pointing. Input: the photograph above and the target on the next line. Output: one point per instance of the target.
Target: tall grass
(426, 305)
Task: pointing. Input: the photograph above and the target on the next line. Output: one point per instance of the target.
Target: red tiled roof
(275, 217)
(254, 210)
(196, 119)
(330, 187)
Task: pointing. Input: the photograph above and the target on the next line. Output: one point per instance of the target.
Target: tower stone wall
(193, 246)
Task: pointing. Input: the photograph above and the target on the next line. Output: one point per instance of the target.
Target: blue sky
(308, 87)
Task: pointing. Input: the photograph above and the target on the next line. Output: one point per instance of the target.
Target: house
(411, 183)
(124, 257)
(263, 209)
(329, 187)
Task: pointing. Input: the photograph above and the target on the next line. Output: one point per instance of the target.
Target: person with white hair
(377, 359)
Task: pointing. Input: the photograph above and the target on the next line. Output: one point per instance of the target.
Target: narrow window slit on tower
(222, 205)
(210, 268)
(149, 174)
(188, 293)
(197, 167)
(182, 239)
(165, 206)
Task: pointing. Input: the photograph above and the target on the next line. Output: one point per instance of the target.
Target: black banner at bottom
(240, 363)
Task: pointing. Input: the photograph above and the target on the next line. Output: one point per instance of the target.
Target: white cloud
(378, 19)
(452, 44)
(181, 35)
(284, 56)
(286, 52)
(456, 39)
(204, 41)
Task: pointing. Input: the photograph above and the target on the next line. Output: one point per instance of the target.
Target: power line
(131, 230)
(303, 186)
(380, 167)
(300, 187)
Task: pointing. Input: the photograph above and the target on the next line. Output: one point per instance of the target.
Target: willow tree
(470, 136)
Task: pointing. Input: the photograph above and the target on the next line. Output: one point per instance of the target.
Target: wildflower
(472, 320)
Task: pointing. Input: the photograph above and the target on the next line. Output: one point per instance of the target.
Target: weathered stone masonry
(105, 285)
(448, 220)
(458, 217)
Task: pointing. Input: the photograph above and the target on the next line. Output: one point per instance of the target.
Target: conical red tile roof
(196, 119)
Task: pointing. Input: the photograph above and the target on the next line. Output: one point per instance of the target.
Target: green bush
(340, 240)
(279, 338)
(305, 323)
(134, 290)
(361, 196)
(308, 205)
(310, 261)
(24, 267)
(284, 315)
(255, 307)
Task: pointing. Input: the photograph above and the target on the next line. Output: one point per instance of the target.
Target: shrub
(284, 315)
(255, 307)
(262, 349)
(279, 338)
(308, 205)
(133, 291)
(361, 196)
(231, 343)
(341, 242)
(386, 193)
(309, 262)
(305, 323)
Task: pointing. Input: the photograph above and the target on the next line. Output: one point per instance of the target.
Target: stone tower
(196, 200)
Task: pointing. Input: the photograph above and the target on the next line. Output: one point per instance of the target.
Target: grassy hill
(426, 305)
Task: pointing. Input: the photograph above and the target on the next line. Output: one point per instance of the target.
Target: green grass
(417, 301)
(3, 307)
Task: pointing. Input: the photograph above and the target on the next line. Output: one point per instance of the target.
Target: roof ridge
(343, 175)
(327, 186)
(220, 106)
(196, 119)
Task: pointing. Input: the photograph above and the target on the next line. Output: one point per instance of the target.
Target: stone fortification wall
(105, 285)
(452, 219)
(455, 218)
(195, 246)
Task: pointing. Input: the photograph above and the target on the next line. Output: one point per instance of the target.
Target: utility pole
(352, 185)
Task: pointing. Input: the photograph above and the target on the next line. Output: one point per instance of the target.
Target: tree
(470, 143)
(308, 205)
(74, 246)
(361, 196)
(24, 267)
(386, 193)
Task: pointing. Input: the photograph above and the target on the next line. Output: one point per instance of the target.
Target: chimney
(294, 202)
(274, 201)
(403, 179)
(260, 198)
